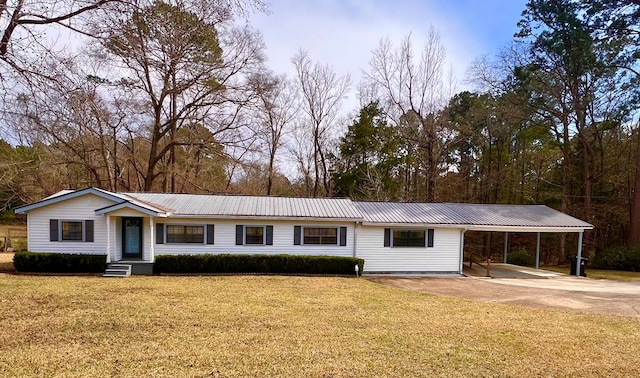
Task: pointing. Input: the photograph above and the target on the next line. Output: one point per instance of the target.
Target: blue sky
(343, 33)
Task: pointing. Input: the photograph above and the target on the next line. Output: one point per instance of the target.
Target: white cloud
(343, 33)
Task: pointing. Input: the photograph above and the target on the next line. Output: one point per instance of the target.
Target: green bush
(265, 264)
(521, 257)
(59, 262)
(618, 258)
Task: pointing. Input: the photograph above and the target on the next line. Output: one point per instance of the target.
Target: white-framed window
(254, 234)
(185, 234)
(416, 238)
(408, 238)
(71, 230)
(320, 236)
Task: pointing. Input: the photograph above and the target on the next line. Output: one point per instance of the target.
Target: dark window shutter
(269, 235)
(430, 237)
(210, 231)
(239, 234)
(53, 230)
(160, 233)
(297, 233)
(387, 237)
(88, 231)
(343, 236)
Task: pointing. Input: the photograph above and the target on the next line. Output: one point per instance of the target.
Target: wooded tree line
(176, 96)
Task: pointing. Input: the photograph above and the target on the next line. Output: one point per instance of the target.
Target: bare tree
(276, 109)
(413, 89)
(186, 74)
(322, 94)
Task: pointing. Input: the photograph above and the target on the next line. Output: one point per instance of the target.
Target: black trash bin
(582, 264)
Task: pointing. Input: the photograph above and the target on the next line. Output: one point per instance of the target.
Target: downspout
(108, 238)
(152, 256)
(355, 239)
(462, 249)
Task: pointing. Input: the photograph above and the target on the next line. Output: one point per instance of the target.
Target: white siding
(225, 239)
(444, 256)
(80, 208)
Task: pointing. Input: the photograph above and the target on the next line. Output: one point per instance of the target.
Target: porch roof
(481, 217)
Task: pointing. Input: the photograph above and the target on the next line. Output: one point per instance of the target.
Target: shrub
(266, 264)
(618, 258)
(59, 262)
(521, 257)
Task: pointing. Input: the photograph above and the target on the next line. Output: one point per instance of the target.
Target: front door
(132, 238)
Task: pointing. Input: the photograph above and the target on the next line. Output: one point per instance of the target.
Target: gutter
(462, 249)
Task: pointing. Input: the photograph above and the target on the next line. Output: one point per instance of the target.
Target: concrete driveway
(546, 289)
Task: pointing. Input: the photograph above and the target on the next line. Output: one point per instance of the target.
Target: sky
(342, 33)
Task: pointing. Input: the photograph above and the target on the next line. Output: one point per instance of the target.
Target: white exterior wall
(80, 208)
(444, 256)
(225, 238)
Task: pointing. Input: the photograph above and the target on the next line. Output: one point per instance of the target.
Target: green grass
(616, 275)
(250, 326)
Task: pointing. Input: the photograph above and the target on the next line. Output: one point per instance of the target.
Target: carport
(519, 219)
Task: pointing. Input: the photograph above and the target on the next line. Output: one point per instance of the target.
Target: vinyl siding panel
(225, 239)
(80, 208)
(443, 257)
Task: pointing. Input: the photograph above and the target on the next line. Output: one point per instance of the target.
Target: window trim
(264, 234)
(429, 237)
(337, 228)
(61, 231)
(165, 234)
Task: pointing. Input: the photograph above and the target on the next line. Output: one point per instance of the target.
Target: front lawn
(258, 326)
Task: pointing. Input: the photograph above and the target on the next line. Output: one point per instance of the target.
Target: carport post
(537, 250)
(506, 247)
(579, 259)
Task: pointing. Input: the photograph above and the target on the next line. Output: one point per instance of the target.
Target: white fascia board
(527, 228)
(469, 227)
(129, 205)
(63, 197)
(264, 218)
(415, 225)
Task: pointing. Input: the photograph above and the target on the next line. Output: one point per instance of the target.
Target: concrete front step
(117, 270)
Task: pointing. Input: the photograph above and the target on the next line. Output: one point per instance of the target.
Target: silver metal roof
(468, 214)
(525, 218)
(251, 206)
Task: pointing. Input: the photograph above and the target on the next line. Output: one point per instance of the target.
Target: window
(185, 234)
(254, 235)
(320, 235)
(72, 230)
(408, 238)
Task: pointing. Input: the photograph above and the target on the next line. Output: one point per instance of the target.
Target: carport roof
(471, 216)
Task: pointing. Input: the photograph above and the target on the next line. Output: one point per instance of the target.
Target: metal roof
(250, 206)
(525, 218)
(532, 216)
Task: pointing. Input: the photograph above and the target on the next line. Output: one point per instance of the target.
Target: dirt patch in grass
(249, 326)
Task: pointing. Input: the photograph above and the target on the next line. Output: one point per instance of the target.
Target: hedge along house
(405, 238)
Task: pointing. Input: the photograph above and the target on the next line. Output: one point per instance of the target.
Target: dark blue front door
(132, 237)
